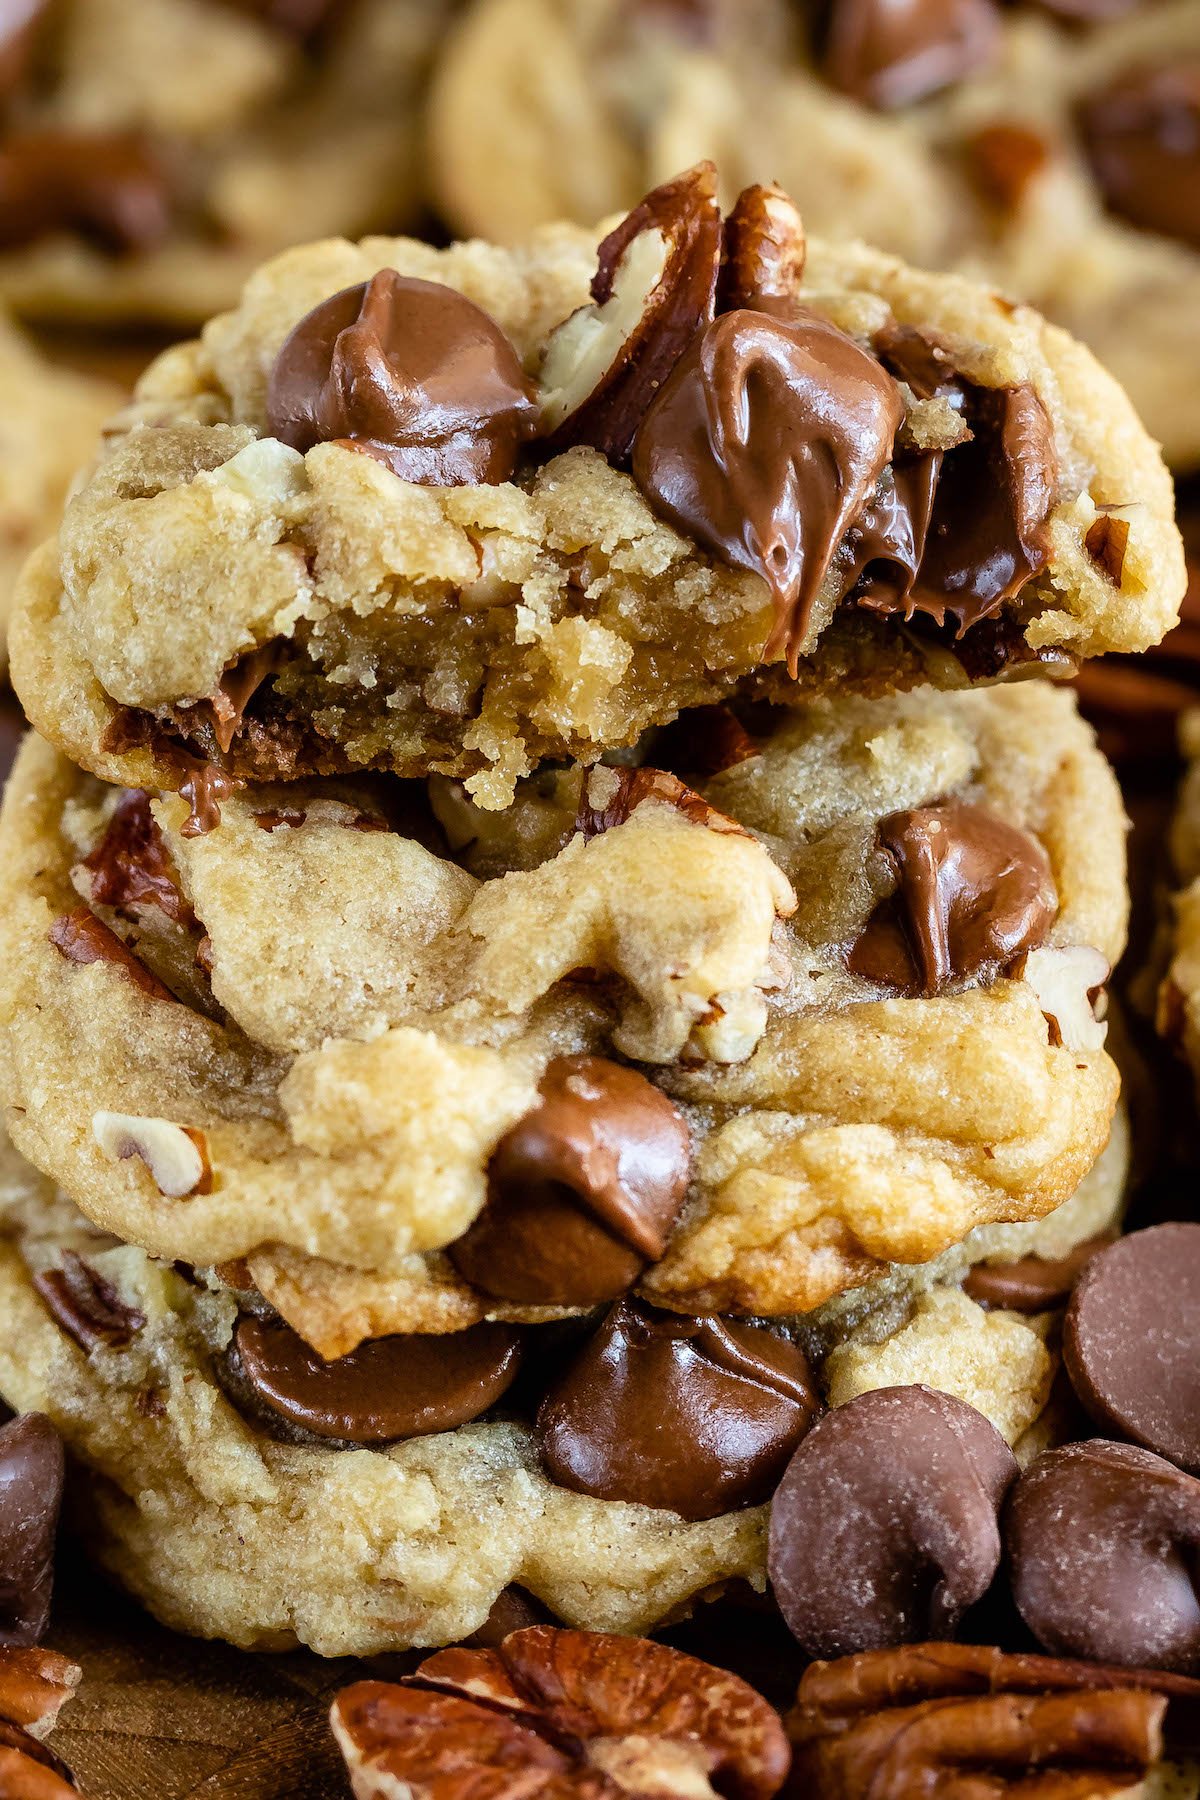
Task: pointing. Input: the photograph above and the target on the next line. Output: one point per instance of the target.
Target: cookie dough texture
(223, 1532)
(263, 143)
(1179, 998)
(377, 1015)
(479, 630)
(49, 426)
(628, 95)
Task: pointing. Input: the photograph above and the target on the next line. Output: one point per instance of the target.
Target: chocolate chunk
(582, 1192)
(884, 1528)
(972, 894)
(83, 938)
(31, 1484)
(1034, 1283)
(108, 187)
(890, 53)
(1104, 1545)
(1131, 1340)
(978, 510)
(130, 865)
(409, 371)
(19, 24)
(389, 1388)
(696, 1416)
(86, 1306)
(1142, 137)
(764, 445)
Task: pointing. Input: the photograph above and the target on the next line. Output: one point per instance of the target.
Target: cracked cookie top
(439, 511)
(826, 994)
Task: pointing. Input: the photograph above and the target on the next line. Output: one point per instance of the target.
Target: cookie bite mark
(411, 372)
(972, 894)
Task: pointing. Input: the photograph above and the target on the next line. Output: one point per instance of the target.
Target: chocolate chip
(83, 938)
(764, 445)
(1032, 1283)
(1142, 137)
(972, 894)
(19, 24)
(1104, 1544)
(31, 1484)
(696, 1416)
(890, 53)
(884, 1528)
(130, 866)
(389, 1388)
(410, 371)
(86, 1306)
(582, 1192)
(1131, 1340)
(108, 187)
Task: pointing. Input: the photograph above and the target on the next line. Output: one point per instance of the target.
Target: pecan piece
(765, 249)
(967, 1722)
(130, 866)
(85, 1306)
(561, 1712)
(611, 796)
(35, 1685)
(83, 938)
(653, 289)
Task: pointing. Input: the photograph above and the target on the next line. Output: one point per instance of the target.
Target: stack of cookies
(556, 928)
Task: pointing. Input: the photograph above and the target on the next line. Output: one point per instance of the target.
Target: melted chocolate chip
(1104, 1543)
(237, 688)
(583, 1192)
(204, 789)
(130, 865)
(83, 938)
(409, 371)
(890, 53)
(109, 188)
(1033, 1283)
(388, 1389)
(972, 894)
(31, 1484)
(696, 1416)
(1131, 1340)
(86, 1306)
(884, 1528)
(764, 445)
(1142, 137)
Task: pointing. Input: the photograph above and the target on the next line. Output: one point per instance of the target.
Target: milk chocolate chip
(1032, 1283)
(1142, 137)
(1104, 1542)
(764, 445)
(31, 1484)
(387, 1389)
(884, 1529)
(972, 893)
(108, 187)
(410, 371)
(582, 1192)
(696, 1416)
(890, 53)
(1131, 1340)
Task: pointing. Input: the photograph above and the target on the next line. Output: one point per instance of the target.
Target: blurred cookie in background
(153, 151)
(1051, 148)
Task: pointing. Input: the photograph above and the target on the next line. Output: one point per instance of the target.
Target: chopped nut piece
(610, 796)
(87, 1307)
(1105, 544)
(765, 249)
(572, 1712)
(1064, 982)
(176, 1155)
(652, 291)
(83, 938)
(34, 1686)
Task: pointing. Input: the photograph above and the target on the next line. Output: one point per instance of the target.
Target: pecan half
(967, 1722)
(765, 250)
(130, 865)
(561, 1713)
(653, 289)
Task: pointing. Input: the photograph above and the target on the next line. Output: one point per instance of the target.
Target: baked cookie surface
(201, 1496)
(530, 559)
(154, 151)
(1048, 148)
(325, 1016)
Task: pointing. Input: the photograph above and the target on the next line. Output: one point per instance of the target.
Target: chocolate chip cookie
(49, 429)
(153, 151)
(829, 1008)
(1048, 147)
(429, 510)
